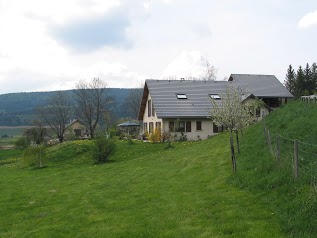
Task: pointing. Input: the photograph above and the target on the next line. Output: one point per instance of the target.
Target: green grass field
(145, 191)
(149, 191)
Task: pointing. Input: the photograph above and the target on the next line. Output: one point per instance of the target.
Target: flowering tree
(232, 114)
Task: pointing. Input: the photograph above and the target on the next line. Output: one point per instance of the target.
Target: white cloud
(309, 20)
(186, 64)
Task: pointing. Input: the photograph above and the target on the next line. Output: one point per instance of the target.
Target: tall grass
(293, 201)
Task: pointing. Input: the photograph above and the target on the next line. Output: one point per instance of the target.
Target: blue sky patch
(93, 33)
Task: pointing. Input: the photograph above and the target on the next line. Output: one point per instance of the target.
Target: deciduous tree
(92, 100)
(231, 114)
(56, 113)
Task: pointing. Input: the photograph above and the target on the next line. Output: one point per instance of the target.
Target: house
(188, 102)
(77, 128)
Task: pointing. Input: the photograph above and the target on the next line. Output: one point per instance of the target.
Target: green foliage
(36, 134)
(17, 109)
(69, 150)
(180, 137)
(155, 136)
(35, 156)
(103, 148)
(22, 142)
(303, 82)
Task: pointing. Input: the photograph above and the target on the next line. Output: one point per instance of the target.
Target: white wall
(147, 119)
(203, 134)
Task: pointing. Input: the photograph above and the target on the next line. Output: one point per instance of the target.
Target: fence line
(297, 157)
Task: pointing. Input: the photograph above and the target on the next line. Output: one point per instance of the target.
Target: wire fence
(294, 156)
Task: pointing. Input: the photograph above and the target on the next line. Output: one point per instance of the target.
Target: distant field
(13, 131)
(9, 134)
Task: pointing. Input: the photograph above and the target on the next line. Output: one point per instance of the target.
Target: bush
(155, 136)
(35, 156)
(22, 143)
(103, 148)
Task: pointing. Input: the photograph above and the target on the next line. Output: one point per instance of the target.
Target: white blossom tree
(231, 114)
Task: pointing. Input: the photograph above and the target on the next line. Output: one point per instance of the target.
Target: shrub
(22, 143)
(103, 148)
(35, 156)
(155, 136)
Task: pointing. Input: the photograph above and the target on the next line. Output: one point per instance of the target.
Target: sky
(50, 45)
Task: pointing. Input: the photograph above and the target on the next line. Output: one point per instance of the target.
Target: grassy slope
(294, 202)
(146, 191)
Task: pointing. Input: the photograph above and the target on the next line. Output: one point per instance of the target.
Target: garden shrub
(103, 148)
(35, 156)
(155, 136)
(22, 143)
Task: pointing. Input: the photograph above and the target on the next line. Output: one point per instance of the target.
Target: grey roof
(262, 86)
(197, 104)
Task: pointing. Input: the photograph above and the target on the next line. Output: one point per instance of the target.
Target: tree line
(303, 82)
(17, 109)
(90, 103)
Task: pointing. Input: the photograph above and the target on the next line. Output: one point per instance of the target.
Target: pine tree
(314, 77)
(308, 81)
(300, 82)
(290, 80)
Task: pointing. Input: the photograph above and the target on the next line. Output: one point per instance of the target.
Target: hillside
(17, 109)
(273, 182)
(149, 191)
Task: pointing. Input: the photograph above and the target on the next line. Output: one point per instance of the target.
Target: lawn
(144, 191)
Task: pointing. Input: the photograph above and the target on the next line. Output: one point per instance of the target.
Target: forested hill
(17, 109)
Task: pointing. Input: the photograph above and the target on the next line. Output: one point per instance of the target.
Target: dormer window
(215, 96)
(181, 96)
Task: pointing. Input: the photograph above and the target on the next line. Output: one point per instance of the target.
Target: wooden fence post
(269, 141)
(264, 132)
(296, 158)
(278, 150)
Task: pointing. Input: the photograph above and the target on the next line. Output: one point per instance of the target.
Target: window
(171, 126)
(151, 124)
(153, 112)
(188, 126)
(158, 125)
(144, 127)
(77, 132)
(215, 96)
(258, 112)
(215, 128)
(198, 125)
(182, 126)
(181, 96)
(149, 107)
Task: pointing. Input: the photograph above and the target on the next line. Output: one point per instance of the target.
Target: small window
(145, 127)
(171, 126)
(215, 128)
(188, 126)
(215, 96)
(149, 104)
(153, 111)
(258, 112)
(158, 125)
(151, 125)
(181, 96)
(198, 125)
(77, 132)
(181, 126)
